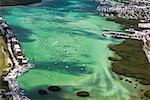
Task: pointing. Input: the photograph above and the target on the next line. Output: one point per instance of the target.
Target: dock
(18, 58)
(132, 35)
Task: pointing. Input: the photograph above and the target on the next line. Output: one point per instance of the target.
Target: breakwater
(18, 60)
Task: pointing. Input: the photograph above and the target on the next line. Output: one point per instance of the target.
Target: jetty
(19, 61)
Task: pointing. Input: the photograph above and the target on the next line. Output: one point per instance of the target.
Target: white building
(144, 25)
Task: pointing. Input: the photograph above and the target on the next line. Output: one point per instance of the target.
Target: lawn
(3, 56)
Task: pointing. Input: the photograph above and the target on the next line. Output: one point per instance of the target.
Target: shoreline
(133, 62)
(118, 49)
(20, 64)
(130, 73)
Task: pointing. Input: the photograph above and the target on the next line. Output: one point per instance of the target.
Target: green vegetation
(147, 93)
(133, 62)
(3, 84)
(113, 58)
(3, 56)
(126, 23)
(3, 65)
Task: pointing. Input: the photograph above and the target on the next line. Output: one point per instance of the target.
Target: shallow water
(63, 39)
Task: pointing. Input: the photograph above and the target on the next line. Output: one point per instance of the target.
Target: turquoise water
(64, 39)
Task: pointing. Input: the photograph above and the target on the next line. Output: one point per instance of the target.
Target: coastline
(133, 61)
(17, 60)
(125, 23)
(129, 66)
(4, 3)
(113, 85)
(133, 58)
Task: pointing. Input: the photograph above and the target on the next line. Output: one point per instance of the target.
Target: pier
(18, 60)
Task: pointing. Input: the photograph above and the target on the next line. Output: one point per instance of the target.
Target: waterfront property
(133, 10)
(20, 64)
